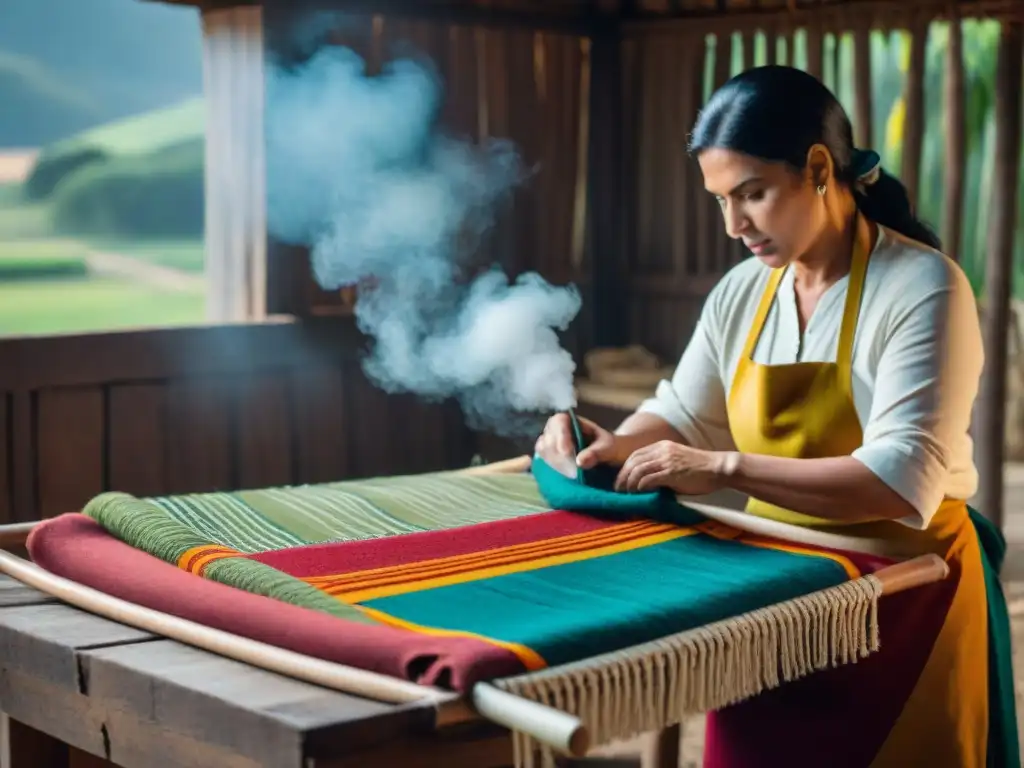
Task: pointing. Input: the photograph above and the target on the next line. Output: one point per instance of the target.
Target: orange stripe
(540, 545)
(494, 558)
(852, 570)
(362, 595)
(196, 559)
(530, 658)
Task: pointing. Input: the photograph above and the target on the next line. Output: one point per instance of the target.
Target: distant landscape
(102, 156)
(101, 166)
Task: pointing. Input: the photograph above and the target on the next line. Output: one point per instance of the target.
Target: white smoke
(359, 171)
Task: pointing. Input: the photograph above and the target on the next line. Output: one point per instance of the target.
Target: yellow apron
(922, 700)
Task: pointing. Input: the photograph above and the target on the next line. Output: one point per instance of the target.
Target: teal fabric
(593, 492)
(577, 610)
(1003, 738)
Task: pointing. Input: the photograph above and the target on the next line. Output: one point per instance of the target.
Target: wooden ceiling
(640, 10)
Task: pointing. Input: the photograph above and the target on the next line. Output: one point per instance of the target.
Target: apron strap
(854, 293)
(762, 314)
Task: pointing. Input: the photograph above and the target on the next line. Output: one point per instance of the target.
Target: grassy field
(92, 304)
(45, 286)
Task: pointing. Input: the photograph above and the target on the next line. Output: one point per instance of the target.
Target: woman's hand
(556, 444)
(668, 464)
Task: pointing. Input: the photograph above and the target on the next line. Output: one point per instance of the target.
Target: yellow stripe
(496, 558)
(389, 571)
(362, 595)
(530, 658)
(852, 571)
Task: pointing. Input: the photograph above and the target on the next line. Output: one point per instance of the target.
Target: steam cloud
(359, 172)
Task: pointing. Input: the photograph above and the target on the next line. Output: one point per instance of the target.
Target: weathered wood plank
(264, 432)
(13, 592)
(44, 641)
(23, 457)
(57, 361)
(267, 718)
(106, 731)
(137, 420)
(6, 443)
(200, 452)
(321, 424)
(70, 427)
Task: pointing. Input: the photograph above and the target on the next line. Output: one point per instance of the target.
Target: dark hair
(777, 113)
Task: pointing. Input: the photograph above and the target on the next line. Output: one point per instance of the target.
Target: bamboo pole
(956, 139)
(913, 133)
(862, 101)
(999, 271)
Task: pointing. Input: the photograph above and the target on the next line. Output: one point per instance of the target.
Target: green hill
(68, 65)
(38, 107)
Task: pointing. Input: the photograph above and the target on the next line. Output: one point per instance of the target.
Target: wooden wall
(514, 83)
(196, 409)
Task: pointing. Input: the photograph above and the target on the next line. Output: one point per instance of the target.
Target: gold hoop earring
(821, 189)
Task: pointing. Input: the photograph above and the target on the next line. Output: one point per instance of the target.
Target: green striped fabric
(277, 518)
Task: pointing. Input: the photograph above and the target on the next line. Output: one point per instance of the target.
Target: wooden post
(999, 270)
(913, 132)
(861, 84)
(956, 139)
(815, 48)
(236, 227)
(606, 202)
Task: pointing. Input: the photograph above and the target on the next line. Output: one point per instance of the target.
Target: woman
(831, 378)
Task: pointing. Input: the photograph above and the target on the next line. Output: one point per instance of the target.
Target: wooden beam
(32, 363)
(991, 428)
(607, 203)
(913, 95)
(955, 160)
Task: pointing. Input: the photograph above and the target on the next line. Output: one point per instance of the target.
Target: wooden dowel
(505, 466)
(15, 534)
(916, 572)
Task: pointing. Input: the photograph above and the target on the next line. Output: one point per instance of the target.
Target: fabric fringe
(652, 686)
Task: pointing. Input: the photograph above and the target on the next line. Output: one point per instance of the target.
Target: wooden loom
(555, 730)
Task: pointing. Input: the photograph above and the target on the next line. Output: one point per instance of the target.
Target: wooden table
(76, 687)
(80, 691)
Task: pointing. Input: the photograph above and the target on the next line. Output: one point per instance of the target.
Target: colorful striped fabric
(478, 557)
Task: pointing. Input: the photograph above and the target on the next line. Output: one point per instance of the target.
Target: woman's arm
(839, 488)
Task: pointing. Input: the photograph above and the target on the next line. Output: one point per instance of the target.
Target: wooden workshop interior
(600, 95)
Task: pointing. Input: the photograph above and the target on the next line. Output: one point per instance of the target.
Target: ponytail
(885, 201)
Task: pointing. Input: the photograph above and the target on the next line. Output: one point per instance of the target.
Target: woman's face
(774, 210)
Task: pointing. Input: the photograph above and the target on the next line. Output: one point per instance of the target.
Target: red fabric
(77, 548)
(838, 717)
(317, 560)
